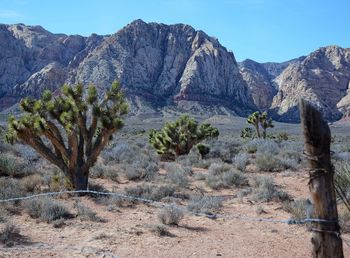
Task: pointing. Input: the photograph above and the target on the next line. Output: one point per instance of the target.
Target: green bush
(177, 138)
(203, 149)
(247, 133)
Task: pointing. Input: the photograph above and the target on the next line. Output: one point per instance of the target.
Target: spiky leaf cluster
(75, 122)
(178, 137)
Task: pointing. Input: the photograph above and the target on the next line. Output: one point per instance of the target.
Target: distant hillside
(158, 65)
(172, 67)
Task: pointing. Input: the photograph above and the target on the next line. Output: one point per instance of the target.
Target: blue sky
(263, 30)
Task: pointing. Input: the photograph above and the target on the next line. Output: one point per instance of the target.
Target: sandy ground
(127, 232)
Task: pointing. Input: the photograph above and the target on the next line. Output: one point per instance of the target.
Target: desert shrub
(160, 230)
(226, 179)
(113, 203)
(244, 192)
(252, 146)
(10, 188)
(342, 181)
(241, 160)
(291, 164)
(218, 168)
(205, 204)
(193, 159)
(299, 209)
(134, 161)
(3, 214)
(222, 175)
(265, 190)
(7, 166)
(177, 174)
(283, 136)
(267, 162)
(31, 183)
(142, 168)
(344, 221)
(152, 192)
(224, 150)
(234, 178)
(122, 152)
(10, 234)
(47, 209)
(200, 176)
(13, 166)
(267, 147)
(107, 171)
(85, 213)
(170, 215)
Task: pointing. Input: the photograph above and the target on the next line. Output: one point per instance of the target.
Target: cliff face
(171, 66)
(155, 63)
(166, 64)
(322, 78)
(33, 59)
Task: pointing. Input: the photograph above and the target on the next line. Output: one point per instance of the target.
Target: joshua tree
(260, 120)
(70, 130)
(177, 138)
(265, 123)
(253, 119)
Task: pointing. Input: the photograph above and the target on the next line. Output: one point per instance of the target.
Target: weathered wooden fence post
(326, 238)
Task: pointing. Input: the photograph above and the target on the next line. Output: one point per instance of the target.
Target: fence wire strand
(161, 205)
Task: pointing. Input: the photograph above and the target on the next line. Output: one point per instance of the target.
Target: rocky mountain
(260, 79)
(171, 67)
(33, 59)
(158, 65)
(322, 77)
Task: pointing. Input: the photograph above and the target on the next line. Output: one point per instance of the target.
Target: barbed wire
(162, 205)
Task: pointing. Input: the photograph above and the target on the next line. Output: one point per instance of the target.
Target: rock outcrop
(322, 78)
(167, 64)
(156, 63)
(171, 67)
(33, 59)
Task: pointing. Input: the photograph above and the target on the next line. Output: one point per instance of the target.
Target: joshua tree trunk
(257, 130)
(79, 178)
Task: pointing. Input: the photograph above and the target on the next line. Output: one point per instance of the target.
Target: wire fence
(158, 205)
(161, 205)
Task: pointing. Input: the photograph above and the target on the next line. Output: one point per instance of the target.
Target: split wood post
(326, 238)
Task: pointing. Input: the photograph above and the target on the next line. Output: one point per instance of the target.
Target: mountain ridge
(173, 66)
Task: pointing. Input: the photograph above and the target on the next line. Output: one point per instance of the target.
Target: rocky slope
(173, 68)
(322, 78)
(158, 65)
(260, 79)
(33, 59)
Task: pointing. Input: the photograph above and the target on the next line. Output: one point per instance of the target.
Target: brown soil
(127, 232)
